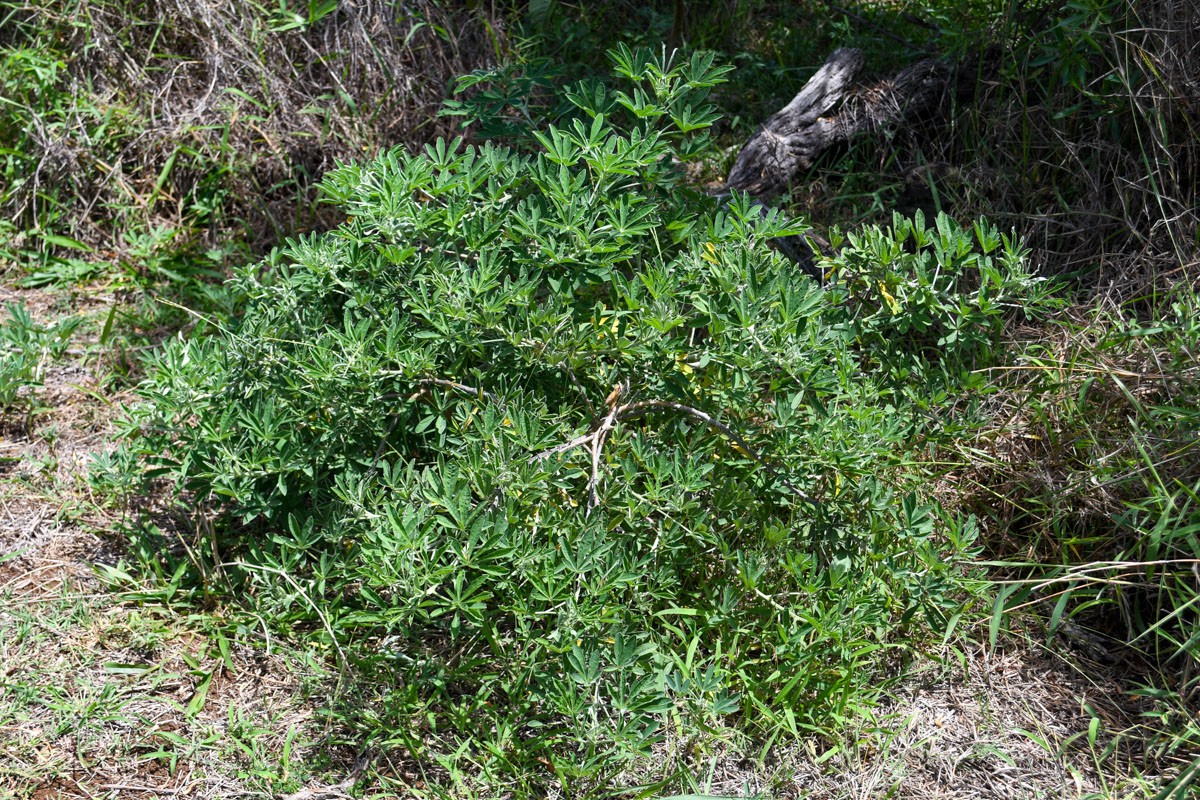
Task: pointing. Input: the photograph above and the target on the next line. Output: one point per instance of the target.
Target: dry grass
(1063, 447)
(1082, 482)
(973, 724)
(186, 104)
(76, 725)
(1109, 190)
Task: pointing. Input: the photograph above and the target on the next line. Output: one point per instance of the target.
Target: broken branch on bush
(602, 432)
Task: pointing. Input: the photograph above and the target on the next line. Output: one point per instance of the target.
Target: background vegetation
(540, 451)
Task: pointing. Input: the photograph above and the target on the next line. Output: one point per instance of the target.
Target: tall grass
(1088, 482)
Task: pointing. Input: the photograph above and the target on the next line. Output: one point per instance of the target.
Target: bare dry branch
(425, 383)
(598, 438)
(566, 447)
(462, 387)
(623, 412)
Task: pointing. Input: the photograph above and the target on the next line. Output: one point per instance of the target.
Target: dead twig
(565, 447)
(341, 788)
(598, 438)
(458, 387)
(125, 787)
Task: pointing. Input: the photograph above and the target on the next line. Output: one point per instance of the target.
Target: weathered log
(831, 108)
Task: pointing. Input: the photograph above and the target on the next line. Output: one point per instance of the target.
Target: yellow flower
(891, 301)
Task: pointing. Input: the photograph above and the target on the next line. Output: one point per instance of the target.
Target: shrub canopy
(554, 428)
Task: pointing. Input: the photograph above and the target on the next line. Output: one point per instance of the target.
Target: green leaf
(1059, 607)
(998, 609)
(118, 668)
(58, 240)
(196, 704)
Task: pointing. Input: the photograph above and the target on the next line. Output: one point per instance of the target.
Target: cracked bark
(832, 108)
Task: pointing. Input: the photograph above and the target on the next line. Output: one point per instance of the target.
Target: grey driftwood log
(831, 108)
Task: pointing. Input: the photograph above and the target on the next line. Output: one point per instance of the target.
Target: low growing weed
(25, 349)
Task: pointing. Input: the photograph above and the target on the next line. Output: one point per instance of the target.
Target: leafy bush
(565, 458)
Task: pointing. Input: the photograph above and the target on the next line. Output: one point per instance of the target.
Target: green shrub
(569, 459)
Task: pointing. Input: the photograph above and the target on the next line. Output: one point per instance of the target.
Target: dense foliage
(569, 457)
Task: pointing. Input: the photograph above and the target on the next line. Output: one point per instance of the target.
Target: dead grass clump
(1096, 411)
(1087, 482)
(212, 117)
